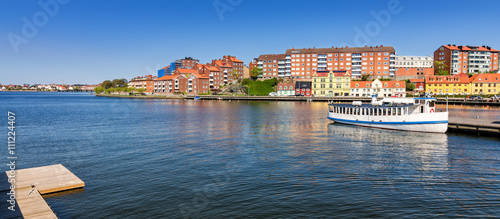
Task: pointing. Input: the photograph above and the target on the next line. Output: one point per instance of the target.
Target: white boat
(408, 114)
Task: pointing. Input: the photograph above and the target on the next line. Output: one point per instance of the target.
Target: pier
(46, 179)
(474, 126)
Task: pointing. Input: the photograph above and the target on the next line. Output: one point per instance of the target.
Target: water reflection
(424, 151)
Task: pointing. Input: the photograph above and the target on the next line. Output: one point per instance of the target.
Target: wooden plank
(46, 179)
(32, 205)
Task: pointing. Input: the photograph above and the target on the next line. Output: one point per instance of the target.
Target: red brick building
(188, 62)
(413, 73)
(214, 74)
(253, 64)
(225, 69)
(466, 59)
(145, 82)
(237, 64)
(303, 88)
(378, 61)
(285, 89)
(272, 65)
(187, 81)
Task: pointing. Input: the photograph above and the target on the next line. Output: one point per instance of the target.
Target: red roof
(200, 76)
(223, 64)
(234, 59)
(361, 84)
(186, 71)
(447, 79)
(485, 78)
(393, 84)
(385, 84)
(166, 78)
(468, 48)
(335, 73)
(416, 80)
(281, 85)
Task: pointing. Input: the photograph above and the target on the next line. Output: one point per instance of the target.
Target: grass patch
(260, 88)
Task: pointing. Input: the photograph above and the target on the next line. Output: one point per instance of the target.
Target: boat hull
(434, 126)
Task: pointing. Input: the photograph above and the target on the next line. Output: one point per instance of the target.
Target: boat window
(398, 111)
(416, 101)
(431, 104)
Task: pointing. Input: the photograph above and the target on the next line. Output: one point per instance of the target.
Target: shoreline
(439, 100)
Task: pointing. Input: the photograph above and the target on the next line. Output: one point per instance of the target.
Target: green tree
(440, 68)
(255, 73)
(365, 77)
(119, 82)
(236, 75)
(107, 84)
(410, 86)
(99, 90)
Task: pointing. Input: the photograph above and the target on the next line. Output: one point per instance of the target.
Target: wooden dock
(46, 179)
(474, 126)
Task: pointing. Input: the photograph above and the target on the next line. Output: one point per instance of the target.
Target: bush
(99, 90)
(246, 81)
(261, 88)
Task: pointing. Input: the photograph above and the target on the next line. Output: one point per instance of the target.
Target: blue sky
(88, 41)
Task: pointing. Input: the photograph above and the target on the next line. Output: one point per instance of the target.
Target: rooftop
(340, 50)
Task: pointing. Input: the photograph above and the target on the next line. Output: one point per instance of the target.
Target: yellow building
(447, 84)
(485, 84)
(331, 83)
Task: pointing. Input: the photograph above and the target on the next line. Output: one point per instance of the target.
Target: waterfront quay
(474, 126)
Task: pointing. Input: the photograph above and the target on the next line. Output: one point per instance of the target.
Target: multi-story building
(286, 89)
(253, 63)
(225, 69)
(331, 83)
(485, 84)
(186, 81)
(413, 73)
(448, 84)
(187, 62)
(380, 88)
(164, 85)
(215, 76)
(303, 88)
(145, 82)
(164, 71)
(378, 61)
(466, 59)
(237, 64)
(246, 72)
(412, 67)
(414, 62)
(272, 65)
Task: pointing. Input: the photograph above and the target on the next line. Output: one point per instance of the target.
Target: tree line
(117, 86)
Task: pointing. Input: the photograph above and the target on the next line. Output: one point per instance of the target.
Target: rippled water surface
(217, 159)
